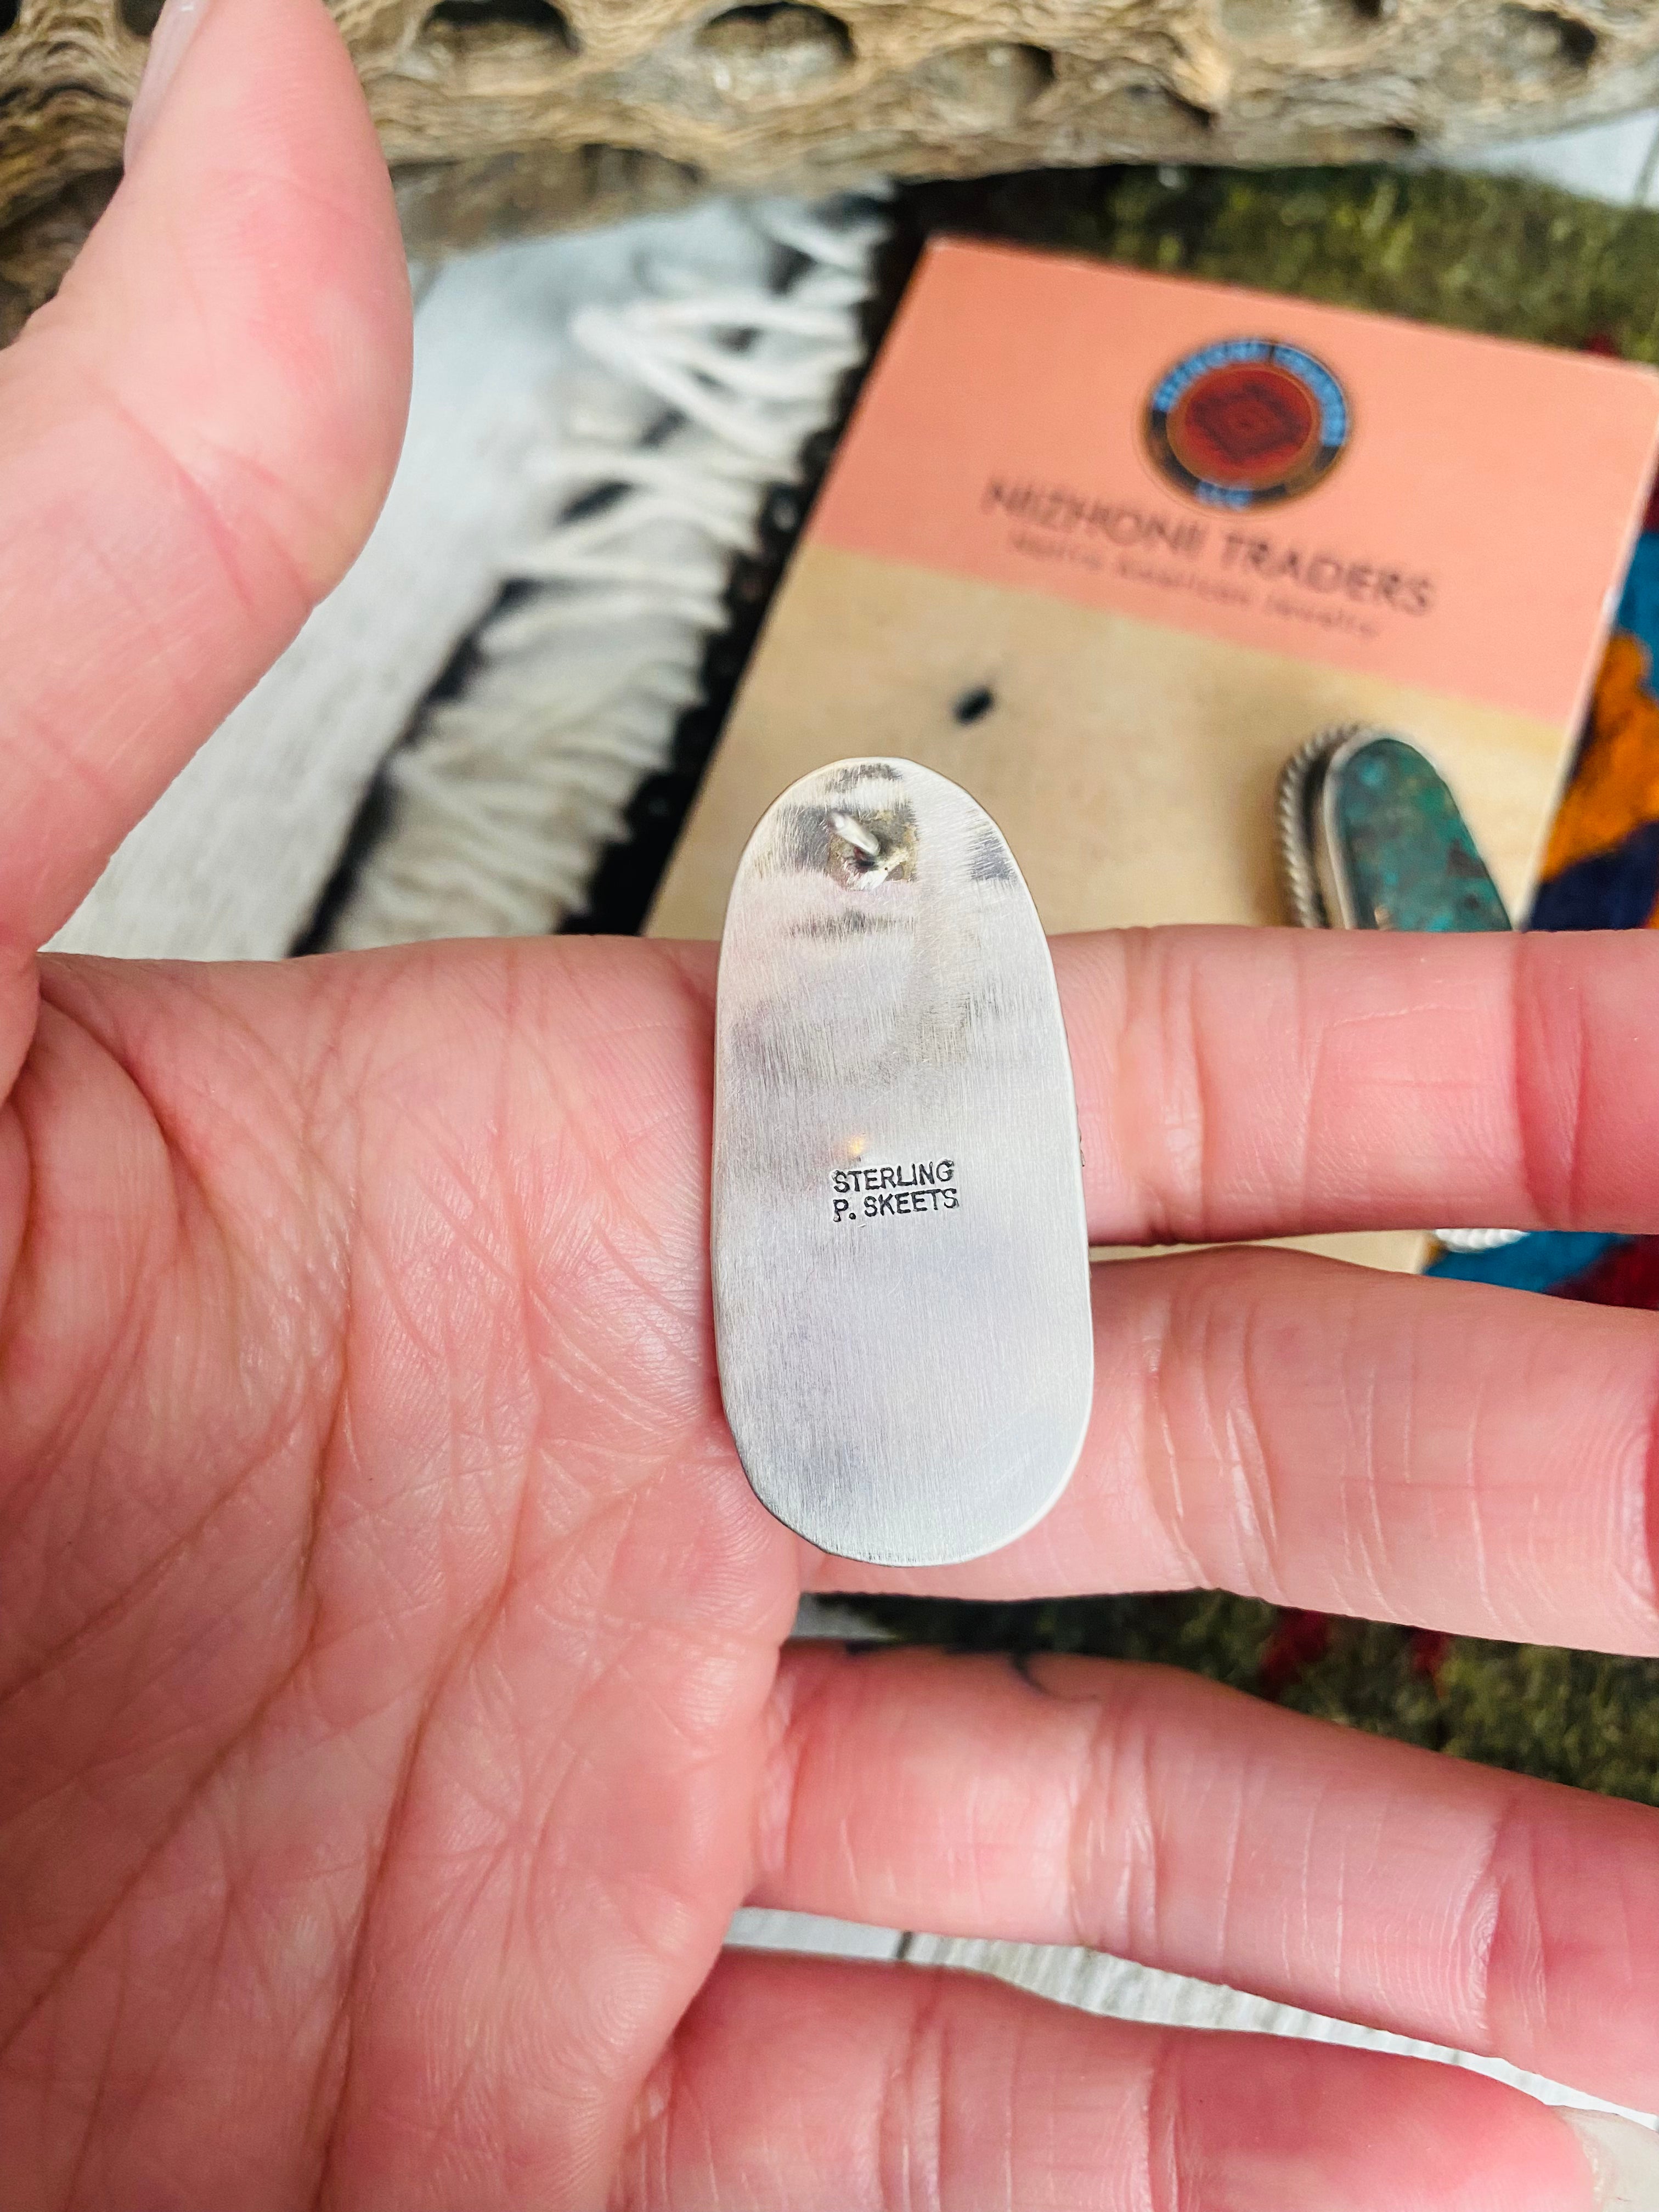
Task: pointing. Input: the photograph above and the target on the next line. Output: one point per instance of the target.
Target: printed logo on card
(1247, 423)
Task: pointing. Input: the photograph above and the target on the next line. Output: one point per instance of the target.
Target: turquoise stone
(1402, 845)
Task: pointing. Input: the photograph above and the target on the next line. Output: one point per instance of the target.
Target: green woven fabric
(1482, 253)
(1572, 1717)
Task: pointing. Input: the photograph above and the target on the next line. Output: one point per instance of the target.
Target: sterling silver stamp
(900, 1256)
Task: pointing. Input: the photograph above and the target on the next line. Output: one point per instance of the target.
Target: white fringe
(690, 407)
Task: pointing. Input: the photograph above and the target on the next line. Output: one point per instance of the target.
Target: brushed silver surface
(900, 1252)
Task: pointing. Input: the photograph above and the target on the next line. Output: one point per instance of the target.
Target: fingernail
(177, 25)
(1624, 2159)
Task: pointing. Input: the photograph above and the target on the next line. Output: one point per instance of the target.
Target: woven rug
(600, 425)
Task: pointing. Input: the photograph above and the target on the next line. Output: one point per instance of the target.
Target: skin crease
(393, 1698)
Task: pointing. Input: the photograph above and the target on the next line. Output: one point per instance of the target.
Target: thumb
(195, 437)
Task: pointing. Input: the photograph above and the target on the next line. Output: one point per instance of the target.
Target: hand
(394, 1697)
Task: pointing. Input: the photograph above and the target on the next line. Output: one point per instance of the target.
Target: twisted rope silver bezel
(1298, 873)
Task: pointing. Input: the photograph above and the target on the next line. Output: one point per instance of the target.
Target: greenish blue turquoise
(1405, 847)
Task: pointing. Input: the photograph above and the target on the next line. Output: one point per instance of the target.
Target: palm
(394, 1696)
(385, 1451)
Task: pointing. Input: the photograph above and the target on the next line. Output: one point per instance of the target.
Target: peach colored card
(1106, 549)
(1448, 510)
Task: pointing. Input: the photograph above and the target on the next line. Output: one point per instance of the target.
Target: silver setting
(1299, 818)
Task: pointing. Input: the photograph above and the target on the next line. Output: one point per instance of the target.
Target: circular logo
(1246, 421)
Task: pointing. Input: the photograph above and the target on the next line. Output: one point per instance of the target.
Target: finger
(1254, 1083)
(194, 438)
(1445, 1453)
(1237, 1083)
(1143, 1812)
(805, 2085)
